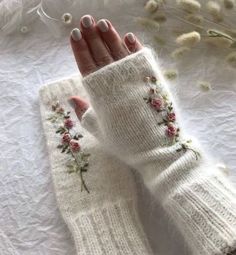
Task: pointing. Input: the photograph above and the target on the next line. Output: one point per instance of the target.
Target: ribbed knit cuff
(204, 208)
(114, 229)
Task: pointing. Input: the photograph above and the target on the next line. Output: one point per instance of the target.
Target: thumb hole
(90, 123)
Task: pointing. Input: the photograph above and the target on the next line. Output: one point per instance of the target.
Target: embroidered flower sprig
(69, 144)
(160, 102)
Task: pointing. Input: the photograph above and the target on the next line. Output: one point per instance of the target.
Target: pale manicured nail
(102, 25)
(87, 21)
(76, 34)
(72, 103)
(130, 37)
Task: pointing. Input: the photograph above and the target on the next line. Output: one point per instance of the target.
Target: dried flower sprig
(69, 144)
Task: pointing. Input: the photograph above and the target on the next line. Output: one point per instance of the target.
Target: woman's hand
(97, 44)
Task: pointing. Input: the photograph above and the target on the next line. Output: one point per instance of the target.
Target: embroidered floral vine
(69, 144)
(161, 103)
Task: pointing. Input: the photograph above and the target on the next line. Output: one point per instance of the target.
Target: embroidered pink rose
(68, 123)
(66, 138)
(157, 103)
(74, 145)
(171, 116)
(171, 131)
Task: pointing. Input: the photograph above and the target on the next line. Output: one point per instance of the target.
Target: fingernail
(87, 21)
(130, 37)
(72, 103)
(76, 34)
(102, 25)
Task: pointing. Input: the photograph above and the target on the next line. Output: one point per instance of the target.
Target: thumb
(85, 114)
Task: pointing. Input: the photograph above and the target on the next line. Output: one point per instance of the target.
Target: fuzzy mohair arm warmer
(138, 123)
(96, 193)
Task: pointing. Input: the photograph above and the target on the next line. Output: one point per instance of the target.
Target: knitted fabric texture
(146, 135)
(105, 220)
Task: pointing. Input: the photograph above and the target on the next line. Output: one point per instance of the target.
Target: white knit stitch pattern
(202, 207)
(105, 221)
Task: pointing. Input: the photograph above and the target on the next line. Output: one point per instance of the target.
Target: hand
(97, 44)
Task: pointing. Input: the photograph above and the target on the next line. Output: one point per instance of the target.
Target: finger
(112, 39)
(132, 42)
(97, 47)
(82, 53)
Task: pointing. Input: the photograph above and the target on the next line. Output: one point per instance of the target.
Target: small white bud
(215, 10)
(67, 19)
(188, 39)
(195, 19)
(151, 6)
(229, 4)
(189, 5)
(223, 168)
(231, 59)
(24, 30)
(159, 17)
(180, 52)
(204, 86)
(149, 23)
(171, 74)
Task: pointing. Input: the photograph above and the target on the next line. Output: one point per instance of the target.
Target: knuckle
(119, 54)
(87, 69)
(104, 60)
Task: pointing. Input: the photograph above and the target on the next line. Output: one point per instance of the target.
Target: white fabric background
(30, 222)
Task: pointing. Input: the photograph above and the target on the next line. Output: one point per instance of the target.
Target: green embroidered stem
(83, 184)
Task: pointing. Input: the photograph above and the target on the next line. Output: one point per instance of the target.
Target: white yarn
(193, 192)
(105, 221)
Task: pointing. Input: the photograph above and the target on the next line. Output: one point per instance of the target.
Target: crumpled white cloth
(30, 222)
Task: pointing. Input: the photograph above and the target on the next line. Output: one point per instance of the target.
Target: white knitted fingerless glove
(138, 123)
(96, 193)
